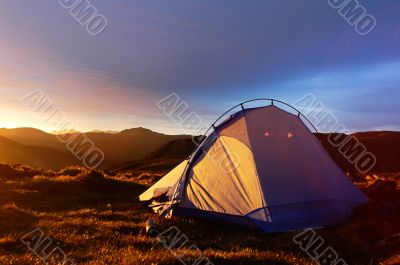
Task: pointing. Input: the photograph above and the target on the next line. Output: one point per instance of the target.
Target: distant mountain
(40, 157)
(106, 131)
(163, 158)
(63, 132)
(118, 147)
(181, 148)
(136, 148)
(75, 131)
(385, 145)
(130, 144)
(32, 137)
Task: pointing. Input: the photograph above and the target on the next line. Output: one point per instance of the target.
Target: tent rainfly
(261, 168)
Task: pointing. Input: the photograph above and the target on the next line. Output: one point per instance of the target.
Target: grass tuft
(95, 218)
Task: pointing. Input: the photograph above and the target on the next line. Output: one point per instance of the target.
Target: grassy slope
(384, 145)
(119, 147)
(44, 157)
(97, 220)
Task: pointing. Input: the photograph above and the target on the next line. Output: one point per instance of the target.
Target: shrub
(72, 171)
(91, 176)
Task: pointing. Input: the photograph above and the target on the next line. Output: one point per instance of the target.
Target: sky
(212, 54)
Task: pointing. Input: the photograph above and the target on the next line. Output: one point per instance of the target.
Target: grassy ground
(95, 219)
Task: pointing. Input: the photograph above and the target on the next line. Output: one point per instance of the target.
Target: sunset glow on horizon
(212, 55)
(249, 129)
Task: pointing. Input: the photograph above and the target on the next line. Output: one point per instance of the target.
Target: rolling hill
(118, 147)
(32, 137)
(135, 148)
(41, 157)
(384, 145)
(165, 158)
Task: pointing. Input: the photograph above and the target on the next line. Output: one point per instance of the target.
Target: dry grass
(96, 219)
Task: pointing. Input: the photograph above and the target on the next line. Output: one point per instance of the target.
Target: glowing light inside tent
(266, 134)
(290, 135)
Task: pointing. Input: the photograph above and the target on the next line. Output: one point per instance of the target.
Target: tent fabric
(164, 185)
(291, 159)
(262, 168)
(236, 128)
(221, 175)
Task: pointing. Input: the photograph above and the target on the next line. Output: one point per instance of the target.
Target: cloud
(213, 54)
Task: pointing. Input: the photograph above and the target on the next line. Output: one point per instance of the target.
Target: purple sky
(213, 54)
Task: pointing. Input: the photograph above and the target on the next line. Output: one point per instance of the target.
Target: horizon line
(54, 132)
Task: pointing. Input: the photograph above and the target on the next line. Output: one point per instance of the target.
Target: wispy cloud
(212, 54)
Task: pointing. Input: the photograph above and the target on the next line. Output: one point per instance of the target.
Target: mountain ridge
(131, 148)
(127, 145)
(12, 152)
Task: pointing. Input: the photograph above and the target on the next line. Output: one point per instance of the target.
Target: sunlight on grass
(95, 218)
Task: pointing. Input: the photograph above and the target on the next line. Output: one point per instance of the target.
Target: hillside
(162, 159)
(95, 218)
(385, 145)
(130, 144)
(139, 148)
(119, 147)
(32, 137)
(41, 157)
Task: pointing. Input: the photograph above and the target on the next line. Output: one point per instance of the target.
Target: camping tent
(262, 168)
